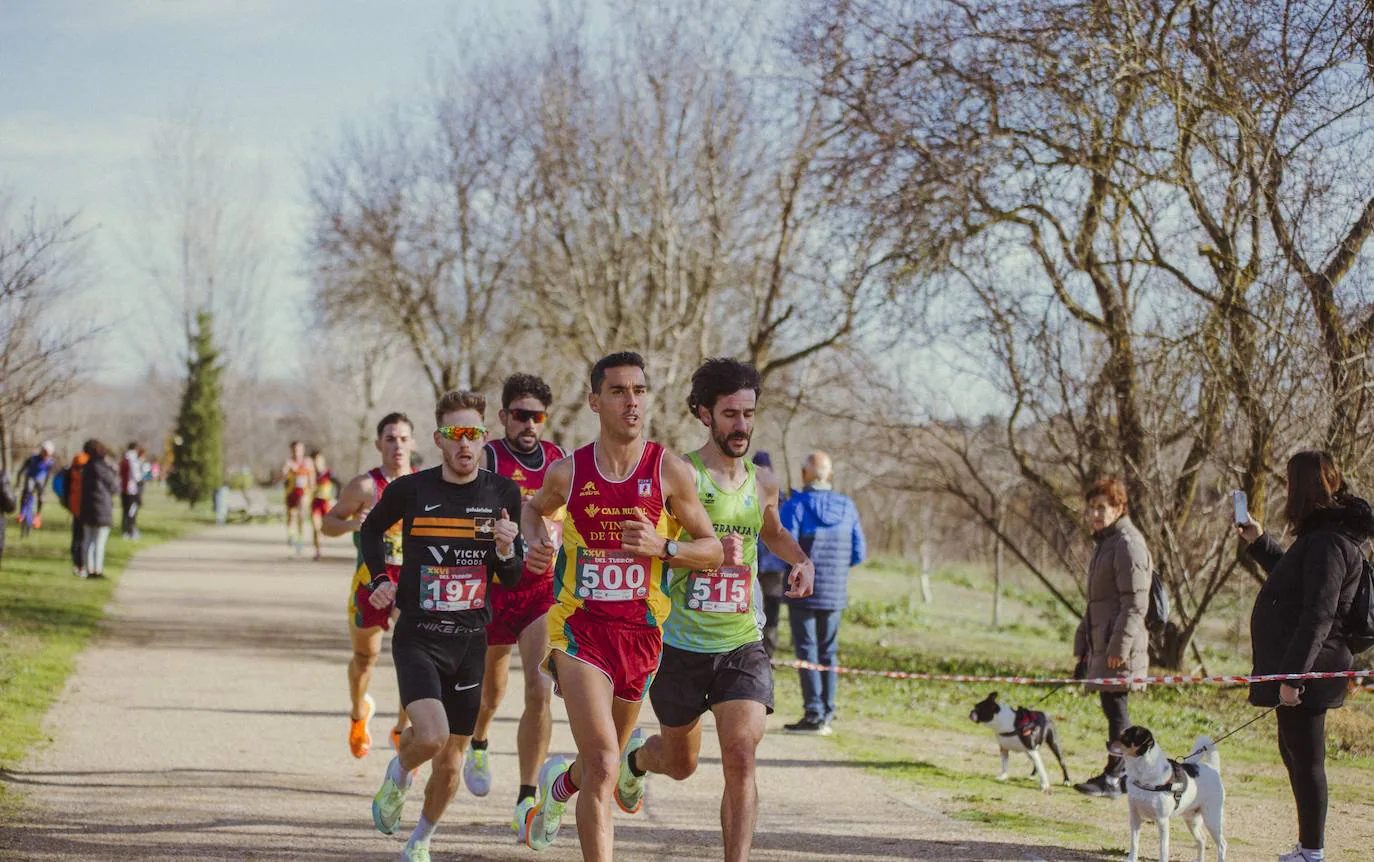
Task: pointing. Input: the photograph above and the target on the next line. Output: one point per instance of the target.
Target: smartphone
(1241, 508)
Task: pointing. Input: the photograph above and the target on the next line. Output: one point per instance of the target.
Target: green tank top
(714, 612)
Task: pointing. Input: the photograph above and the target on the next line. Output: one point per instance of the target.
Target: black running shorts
(689, 683)
(447, 668)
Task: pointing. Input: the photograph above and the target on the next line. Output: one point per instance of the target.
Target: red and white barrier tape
(1219, 679)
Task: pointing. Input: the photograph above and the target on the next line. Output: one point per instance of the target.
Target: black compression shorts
(447, 668)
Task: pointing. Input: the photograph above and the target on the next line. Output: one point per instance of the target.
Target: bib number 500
(610, 576)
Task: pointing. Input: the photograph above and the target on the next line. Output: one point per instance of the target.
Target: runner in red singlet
(518, 615)
(323, 498)
(395, 442)
(625, 501)
(298, 480)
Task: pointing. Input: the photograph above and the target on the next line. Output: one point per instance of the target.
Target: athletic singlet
(297, 476)
(393, 536)
(592, 577)
(713, 610)
(505, 463)
(324, 486)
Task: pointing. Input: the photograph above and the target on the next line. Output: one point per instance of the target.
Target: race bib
(453, 588)
(392, 544)
(612, 576)
(302, 481)
(722, 591)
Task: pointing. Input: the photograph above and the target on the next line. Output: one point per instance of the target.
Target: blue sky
(84, 85)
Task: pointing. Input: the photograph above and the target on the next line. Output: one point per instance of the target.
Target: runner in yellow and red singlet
(298, 481)
(518, 615)
(625, 500)
(395, 442)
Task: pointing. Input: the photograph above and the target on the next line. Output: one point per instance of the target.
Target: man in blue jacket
(826, 524)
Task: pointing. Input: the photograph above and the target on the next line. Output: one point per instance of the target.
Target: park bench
(252, 505)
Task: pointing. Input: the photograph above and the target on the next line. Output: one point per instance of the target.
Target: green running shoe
(629, 789)
(522, 812)
(387, 804)
(477, 772)
(543, 820)
(416, 853)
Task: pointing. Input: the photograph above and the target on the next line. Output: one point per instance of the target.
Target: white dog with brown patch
(1158, 788)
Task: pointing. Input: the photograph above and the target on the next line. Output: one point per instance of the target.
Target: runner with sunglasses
(458, 532)
(625, 501)
(518, 616)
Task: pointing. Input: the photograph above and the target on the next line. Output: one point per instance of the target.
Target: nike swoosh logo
(466, 687)
(432, 508)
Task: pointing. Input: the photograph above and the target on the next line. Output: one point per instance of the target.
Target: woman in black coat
(99, 484)
(1297, 626)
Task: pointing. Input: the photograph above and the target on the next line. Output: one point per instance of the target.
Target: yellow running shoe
(359, 737)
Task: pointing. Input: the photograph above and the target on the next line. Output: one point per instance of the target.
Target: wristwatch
(669, 549)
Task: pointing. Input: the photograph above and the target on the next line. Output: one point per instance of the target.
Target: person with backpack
(1112, 640)
(67, 486)
(1302, 622)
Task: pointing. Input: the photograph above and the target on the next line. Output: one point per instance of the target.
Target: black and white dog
(1158, 788)
(1022, 730)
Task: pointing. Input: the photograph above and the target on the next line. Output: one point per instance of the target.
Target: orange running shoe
(395, 739)
(359, 738)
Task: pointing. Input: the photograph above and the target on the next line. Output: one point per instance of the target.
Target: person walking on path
(1297, 626)
(826, 525)
(1112, 640)
(131, 471)
(99, 484)
(459, 534)
(72, 500)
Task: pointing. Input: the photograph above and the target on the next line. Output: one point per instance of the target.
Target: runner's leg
(672, 751)
(494, 679)
(600, 725)
(367, 646)
(739, 725)
(427, 735)
(443, 775)
(536, 722)
(316, 522)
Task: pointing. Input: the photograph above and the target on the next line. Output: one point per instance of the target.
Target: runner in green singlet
(713, 656)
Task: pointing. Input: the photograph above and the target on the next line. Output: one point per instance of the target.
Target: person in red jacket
(73, 502)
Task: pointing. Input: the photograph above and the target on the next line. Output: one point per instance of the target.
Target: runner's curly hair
(720, 376)
(519, 386)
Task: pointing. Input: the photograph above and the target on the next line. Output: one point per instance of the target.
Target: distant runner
(298, 478)
(322, 498)
(395, 442)
(713, 653)
(518, 616)
(625, 502)
(459, 534)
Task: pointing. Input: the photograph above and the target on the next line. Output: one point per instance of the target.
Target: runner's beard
(525, 441)
(727, 443)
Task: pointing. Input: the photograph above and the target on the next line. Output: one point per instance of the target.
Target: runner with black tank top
(631, 513)
(395, 443)
(518, 615)
(458, 534)
(713, 655)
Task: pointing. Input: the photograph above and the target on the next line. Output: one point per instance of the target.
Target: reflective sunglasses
(526, 415)
(463, 432)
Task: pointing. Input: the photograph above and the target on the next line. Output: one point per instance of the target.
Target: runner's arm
(347, 513)
(508, 571)
(680, 493)
(550, 497)
(396, 500)
(802, 578)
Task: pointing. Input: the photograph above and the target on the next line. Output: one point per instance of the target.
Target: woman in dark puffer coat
(1297, 626)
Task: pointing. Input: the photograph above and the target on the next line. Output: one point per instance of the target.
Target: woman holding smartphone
(1297, 625)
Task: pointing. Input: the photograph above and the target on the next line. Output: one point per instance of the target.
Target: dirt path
(209, 722)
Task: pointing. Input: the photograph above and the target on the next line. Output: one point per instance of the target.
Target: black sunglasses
(538, 416)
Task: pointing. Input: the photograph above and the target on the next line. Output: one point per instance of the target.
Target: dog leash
(1226, 736)
(1051, 693)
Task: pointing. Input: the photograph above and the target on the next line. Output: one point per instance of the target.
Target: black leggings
(1118, 714)
(1302, 743)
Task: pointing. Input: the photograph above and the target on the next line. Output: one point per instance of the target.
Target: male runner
(395, 442)
(624, 502)
(458, 535)
(322, 497)
(518, 615)
(298, 478)
(713, 654)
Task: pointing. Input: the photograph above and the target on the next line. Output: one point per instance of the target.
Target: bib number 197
(453, 588)
(723, 591)
(611, 576)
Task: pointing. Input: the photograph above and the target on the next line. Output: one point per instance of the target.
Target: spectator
(73, 503)
(33, 477)
(7, 507)
(772, 572)
(131, 472)
(99, 484)
(1296, 626)
(1111, 640)
(826, 524)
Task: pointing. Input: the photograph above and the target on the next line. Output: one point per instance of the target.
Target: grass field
(47, 616)
(920, 733)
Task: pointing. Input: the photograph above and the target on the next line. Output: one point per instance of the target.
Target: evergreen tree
(198, 449)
